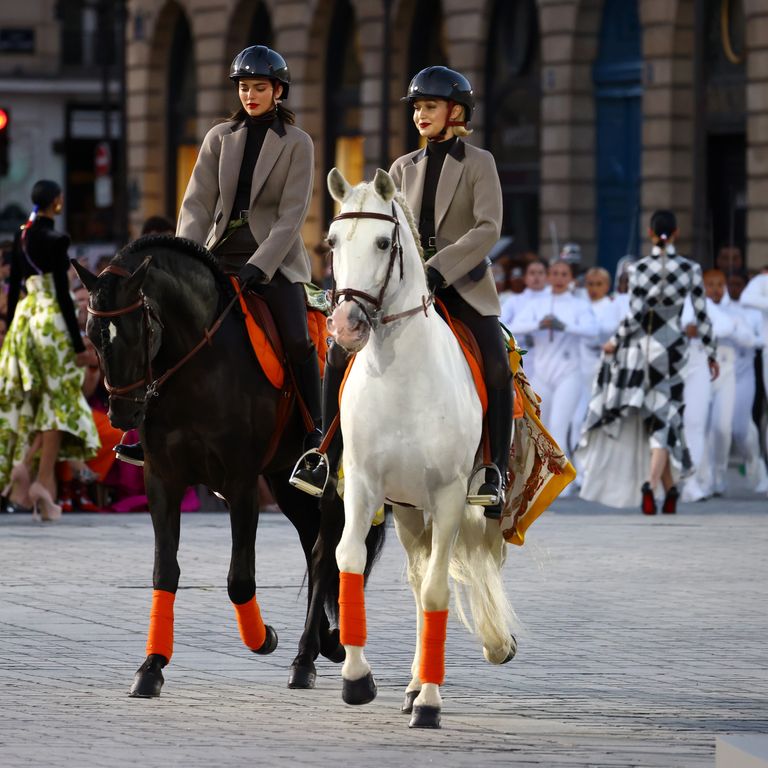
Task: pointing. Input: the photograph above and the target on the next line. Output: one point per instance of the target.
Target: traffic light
(5, 125)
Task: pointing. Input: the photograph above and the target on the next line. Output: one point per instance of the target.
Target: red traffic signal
(5, 121)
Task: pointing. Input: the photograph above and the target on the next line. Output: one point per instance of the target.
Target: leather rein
(149, 382)
(374, 317)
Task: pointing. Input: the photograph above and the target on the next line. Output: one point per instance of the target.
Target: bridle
(374, 316)
(149, 382)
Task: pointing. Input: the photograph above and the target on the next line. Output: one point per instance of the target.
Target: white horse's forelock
(356, 201)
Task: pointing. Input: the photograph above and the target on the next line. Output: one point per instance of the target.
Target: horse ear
(136, 280)
(383, 185)
(338, 186)
(86, 276)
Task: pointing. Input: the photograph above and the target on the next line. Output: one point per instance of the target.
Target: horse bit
(395, 253)
(151, 384)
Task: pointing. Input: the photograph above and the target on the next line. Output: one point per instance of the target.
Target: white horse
(411, 420)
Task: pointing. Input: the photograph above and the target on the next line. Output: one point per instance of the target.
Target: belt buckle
(431, 242)
(244, 215)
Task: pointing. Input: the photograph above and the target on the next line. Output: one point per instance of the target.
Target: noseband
(395, 253)
(149, 382)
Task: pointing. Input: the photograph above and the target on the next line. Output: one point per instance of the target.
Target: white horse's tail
(481, 601)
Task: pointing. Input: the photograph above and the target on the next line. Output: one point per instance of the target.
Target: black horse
(178, 365)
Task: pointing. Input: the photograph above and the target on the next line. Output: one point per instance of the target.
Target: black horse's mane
(182, 246)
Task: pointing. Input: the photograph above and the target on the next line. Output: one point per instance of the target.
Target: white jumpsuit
(557, 373)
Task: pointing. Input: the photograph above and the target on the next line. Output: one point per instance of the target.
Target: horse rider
(247, 200)
(458, 227)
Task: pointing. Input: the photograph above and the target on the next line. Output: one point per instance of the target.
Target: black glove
(251, 276)
(435, 280)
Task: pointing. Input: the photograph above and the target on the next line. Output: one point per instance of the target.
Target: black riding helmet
(442, 83)
(260, 61)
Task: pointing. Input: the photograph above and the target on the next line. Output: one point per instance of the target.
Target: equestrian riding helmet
(260, 61)
(442, 83)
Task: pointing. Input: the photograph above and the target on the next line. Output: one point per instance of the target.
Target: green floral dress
(40, 384)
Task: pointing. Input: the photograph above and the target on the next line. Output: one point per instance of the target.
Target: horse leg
(412, 532)
(165, 509)
(302, 511)
(358, 685)
(435, 596)
(241, 580)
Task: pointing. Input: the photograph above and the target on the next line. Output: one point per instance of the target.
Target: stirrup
(299, 477)
(486, 499)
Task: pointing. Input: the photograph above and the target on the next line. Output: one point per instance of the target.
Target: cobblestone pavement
(643, 638)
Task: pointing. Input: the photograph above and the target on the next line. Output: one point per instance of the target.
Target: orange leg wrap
(160, 636)
(432, 660)
(249, 622)
(351, 609)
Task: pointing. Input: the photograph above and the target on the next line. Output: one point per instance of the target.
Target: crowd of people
(570, 322)
(658, 383)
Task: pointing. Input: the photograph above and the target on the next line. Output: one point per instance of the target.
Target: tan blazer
(468, 212)
(280, 194)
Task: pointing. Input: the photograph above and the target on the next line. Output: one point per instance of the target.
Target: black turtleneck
(47, 251)
(436, 152)
(257, 128)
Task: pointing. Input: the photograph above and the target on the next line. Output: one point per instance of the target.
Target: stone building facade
(597, 111)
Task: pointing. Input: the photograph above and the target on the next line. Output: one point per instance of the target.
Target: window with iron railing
(89, 30)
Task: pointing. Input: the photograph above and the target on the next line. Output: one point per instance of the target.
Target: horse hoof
(148, 680)
(512, 649)
(359, 691)
(425, 717)
(410, 697)
(302, 677)
(269, 644)
(332, 649)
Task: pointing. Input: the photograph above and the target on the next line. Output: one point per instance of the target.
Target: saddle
(268, 348)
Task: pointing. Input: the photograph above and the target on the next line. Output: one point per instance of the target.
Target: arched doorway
(251, 25)
(618, 131)
(724, 73)
(426, 48)
(181, 115)
(512, 108)
(343, 75)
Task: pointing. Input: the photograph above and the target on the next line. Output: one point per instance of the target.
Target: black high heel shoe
(670, 501)
(649, 501)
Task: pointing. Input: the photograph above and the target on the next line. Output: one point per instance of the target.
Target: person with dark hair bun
(638, 397)
(247, 200)
(42, 406)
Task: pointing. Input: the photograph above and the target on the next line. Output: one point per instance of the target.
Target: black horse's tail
(329, 572)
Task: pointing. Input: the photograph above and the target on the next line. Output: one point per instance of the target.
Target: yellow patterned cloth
(538, 468)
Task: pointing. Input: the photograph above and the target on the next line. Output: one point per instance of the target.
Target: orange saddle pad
(471, 350)
(266, 341)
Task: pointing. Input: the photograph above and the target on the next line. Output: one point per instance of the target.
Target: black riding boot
(130, 453)
(314, 470)
(307, 376)
(500, 437)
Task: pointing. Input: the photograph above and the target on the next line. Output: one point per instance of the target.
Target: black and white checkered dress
(644, 374)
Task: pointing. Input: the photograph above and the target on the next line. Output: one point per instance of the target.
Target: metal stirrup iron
(486, 500)
(302, 485)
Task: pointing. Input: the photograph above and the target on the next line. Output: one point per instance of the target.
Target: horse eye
(382, 243)
(331, 241)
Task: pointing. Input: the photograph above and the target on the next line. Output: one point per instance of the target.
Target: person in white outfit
(709, 405)
(597, 283)
(745, 437)
(557, 321)
(755, 296)
(536, 286)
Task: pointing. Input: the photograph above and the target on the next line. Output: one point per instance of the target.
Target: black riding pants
(487, 331)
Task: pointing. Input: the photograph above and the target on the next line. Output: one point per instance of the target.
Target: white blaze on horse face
(112, 330)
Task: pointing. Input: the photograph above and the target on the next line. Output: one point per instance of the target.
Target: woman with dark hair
(41, 400)
(247, 201)
(638, 396)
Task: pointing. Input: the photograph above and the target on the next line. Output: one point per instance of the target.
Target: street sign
(102, 168)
